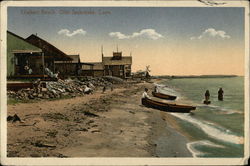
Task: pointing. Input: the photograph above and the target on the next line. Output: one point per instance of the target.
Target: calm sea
(217, 129)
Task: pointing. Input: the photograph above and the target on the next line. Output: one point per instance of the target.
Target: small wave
(211, 129)
(197, 153)
(229, 111)
(208, 106)
(220, 109)
(165, 88)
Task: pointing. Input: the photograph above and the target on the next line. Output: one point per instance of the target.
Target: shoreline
(113, 124)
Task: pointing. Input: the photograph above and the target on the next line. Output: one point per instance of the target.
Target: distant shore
(194, 76)
(113, 124)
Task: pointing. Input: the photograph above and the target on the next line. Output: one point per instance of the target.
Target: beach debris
(13, 118)
(41, 144)
(95, 131)
(87, 90)
(61, 88)
(87, 113)
(91, 85)
(132, 112)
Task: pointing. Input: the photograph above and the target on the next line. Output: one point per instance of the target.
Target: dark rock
(40, 144)
(40, 95)
(31, 97)
(13, 118)
(9, 118)
(45, 96)
(87, 113)
(35, 94)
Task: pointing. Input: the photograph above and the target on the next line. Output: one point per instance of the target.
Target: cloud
(67, 33)
(212, 33)
(119, 35)
(148, 33)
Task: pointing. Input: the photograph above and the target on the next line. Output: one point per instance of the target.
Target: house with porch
(117, 65)
(21, 55)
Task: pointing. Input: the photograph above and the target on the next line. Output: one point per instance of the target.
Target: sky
(172, 40)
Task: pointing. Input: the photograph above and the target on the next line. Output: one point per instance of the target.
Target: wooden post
(43, 64)
(54, 64)
(124, 72)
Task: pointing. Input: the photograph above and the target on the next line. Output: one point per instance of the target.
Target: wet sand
(113, 124)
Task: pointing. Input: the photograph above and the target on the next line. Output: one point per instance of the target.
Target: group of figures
(207, 96)
(27, 69)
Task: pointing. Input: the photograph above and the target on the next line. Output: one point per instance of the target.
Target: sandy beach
(110, 124)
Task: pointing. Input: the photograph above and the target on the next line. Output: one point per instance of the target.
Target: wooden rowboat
(163, 96)
(15, 86)
(167, 106)
(18, 86)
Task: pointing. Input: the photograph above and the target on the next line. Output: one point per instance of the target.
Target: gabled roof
(16, 35)
(47, 48)
(126, 60)
(20, 48)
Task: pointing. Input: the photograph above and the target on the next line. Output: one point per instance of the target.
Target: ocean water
(217, 130)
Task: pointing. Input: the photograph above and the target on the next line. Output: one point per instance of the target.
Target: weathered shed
(69, 67)
(21, 53)
(94, 69)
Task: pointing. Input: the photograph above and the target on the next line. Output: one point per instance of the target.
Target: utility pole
(102, 52)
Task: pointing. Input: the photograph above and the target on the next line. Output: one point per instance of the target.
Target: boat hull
(167, 107)
(163, 96)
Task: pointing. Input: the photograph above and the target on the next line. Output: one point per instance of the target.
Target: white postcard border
(115, 160)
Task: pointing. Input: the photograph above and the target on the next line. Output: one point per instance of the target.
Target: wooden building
(21, 53)
(51, 53)
(117, 65)
(73, 67)
(94, 69)
(69, 67)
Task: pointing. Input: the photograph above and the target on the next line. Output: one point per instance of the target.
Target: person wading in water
(207, 96)
(220, 94)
